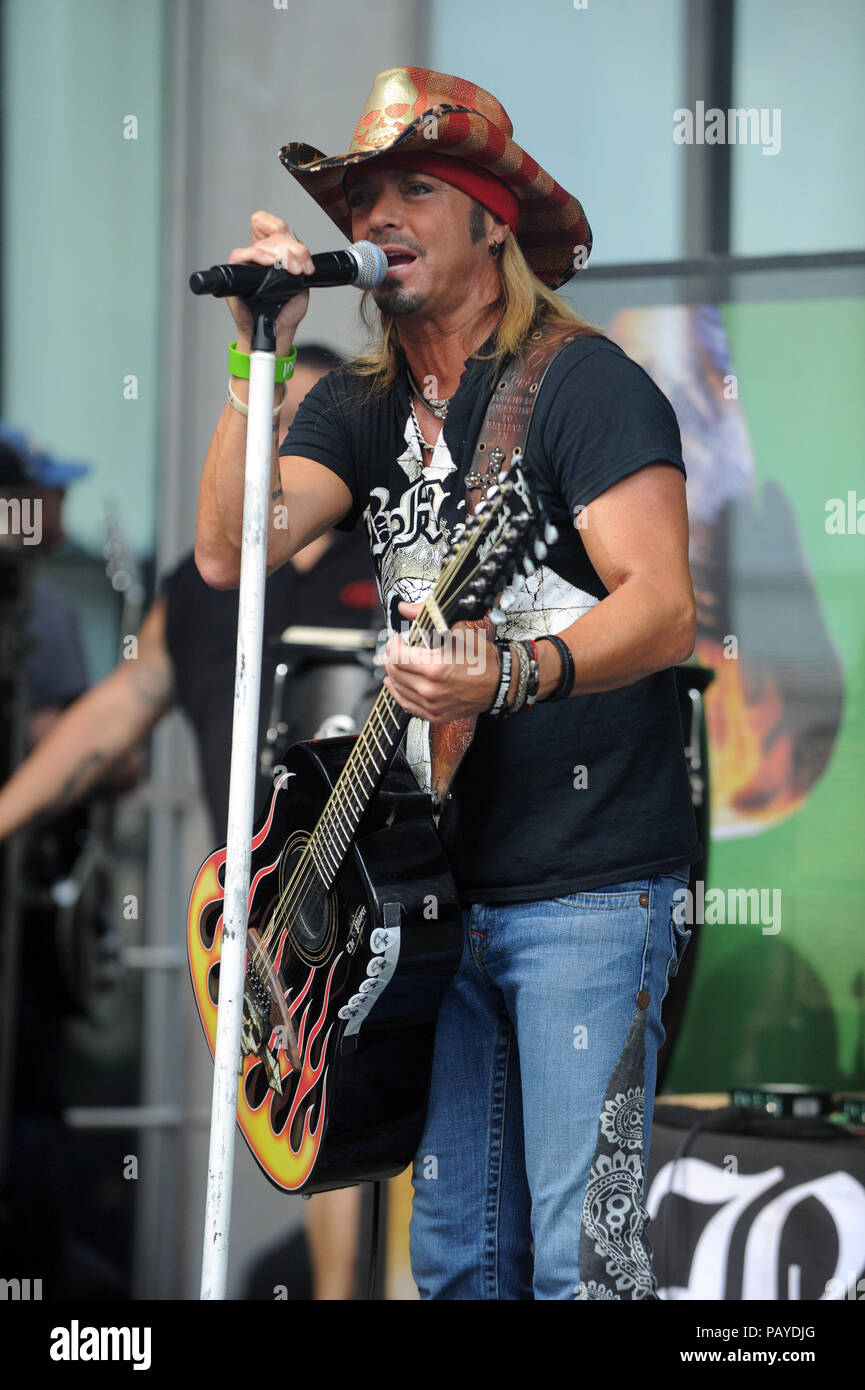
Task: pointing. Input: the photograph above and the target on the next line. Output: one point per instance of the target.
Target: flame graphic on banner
(751, 753)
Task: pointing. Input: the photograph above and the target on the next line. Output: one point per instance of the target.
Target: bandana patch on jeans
(615, 1254)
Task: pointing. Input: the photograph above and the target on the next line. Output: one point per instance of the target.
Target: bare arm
(83, 744)
(306, 498)
(636, 536)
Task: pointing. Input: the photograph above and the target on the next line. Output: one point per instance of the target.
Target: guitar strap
(502, 439)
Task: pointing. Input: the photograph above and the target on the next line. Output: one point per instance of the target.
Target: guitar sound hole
(213, 983)
(310, 925)
(309, 909)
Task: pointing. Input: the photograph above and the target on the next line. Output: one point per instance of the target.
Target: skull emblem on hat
(378, 127)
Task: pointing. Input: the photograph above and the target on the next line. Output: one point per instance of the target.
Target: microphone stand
(265, 306)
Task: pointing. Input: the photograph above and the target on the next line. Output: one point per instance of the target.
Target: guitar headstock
(503, 540)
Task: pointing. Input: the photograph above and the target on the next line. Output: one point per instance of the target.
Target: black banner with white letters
(747, 1207)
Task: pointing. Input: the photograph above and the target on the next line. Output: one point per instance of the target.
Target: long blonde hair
(525, 301)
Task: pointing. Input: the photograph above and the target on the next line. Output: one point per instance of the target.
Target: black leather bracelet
(498, 703)
(569, 674)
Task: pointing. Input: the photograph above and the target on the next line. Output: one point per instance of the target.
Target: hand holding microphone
(272, 240)
(275, 248)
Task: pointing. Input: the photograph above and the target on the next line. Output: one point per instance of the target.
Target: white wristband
(243, 409)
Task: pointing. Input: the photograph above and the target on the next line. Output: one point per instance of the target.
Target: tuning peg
(480, 508)
(540, 550)
(551, 534)
(459, 531)
(518, 581)
(497, 616)
(529, 565)
(493, 491)
(506, 601)
(471, 602)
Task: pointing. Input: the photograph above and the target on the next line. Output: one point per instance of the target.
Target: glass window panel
(806, 61)
(591, 93)
(82, 206)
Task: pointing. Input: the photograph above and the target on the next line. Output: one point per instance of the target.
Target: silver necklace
(438, 408)
(420, 439)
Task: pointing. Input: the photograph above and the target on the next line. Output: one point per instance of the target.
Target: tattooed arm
(82, 748)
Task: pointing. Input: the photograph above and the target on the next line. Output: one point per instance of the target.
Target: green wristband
(238, 364)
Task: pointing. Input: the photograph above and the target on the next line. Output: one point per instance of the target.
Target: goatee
(396, 301)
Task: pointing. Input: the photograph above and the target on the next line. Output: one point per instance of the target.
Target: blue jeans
(541, 1099)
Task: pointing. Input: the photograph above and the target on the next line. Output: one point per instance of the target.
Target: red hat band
(488, 190)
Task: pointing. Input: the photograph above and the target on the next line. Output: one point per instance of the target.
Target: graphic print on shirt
(409, 539)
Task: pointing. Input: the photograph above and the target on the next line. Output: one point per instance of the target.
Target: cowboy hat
(417, 109)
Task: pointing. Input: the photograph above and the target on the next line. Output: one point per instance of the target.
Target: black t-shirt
(201, 635)
(571, 795)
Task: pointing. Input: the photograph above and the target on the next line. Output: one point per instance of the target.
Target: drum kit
(325, 682)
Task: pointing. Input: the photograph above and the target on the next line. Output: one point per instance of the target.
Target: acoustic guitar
(354, 924)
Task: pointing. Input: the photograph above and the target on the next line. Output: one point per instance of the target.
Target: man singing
(569, 823)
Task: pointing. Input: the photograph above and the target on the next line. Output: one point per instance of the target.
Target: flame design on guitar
(269, 1136)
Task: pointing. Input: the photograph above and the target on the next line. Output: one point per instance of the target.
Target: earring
(494, 248)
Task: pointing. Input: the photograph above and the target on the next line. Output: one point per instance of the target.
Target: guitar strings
(306, 872)
(308, 869)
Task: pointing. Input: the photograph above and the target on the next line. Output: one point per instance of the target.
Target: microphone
(362, 264)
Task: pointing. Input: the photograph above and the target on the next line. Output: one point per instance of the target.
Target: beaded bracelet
(534, 671)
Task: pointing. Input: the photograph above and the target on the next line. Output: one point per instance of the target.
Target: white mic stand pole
(370, 267)
(244, 759)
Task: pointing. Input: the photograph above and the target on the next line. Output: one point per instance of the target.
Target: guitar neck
(361, 777)
(356, 786)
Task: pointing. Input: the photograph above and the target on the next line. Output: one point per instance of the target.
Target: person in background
(185, 660)
(32, 493)
(33, 488)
